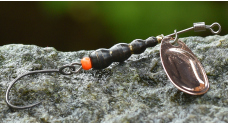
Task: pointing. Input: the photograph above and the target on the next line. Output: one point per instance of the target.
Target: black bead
(100, 58)
(120, 52)
(151, 41)
(138, 46)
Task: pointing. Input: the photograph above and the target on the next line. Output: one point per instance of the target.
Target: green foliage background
(124, 21)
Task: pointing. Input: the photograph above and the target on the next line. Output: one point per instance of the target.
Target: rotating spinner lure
(182, 67)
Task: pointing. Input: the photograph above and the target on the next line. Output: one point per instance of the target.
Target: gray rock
(136, 90)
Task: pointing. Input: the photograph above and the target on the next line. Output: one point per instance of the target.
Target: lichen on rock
(136, 90)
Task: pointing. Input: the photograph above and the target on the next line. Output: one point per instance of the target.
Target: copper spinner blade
(183, 68)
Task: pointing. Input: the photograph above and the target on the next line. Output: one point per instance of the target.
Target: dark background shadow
(74, 25)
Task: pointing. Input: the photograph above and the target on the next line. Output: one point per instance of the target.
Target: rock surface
(136, 90)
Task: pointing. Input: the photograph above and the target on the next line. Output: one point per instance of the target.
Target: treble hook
(61, 70)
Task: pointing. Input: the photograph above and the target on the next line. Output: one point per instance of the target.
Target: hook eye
(66, 70)
(70, 69)
(213, 25)
(79, 69)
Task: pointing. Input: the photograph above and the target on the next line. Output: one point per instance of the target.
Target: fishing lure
(180, 64)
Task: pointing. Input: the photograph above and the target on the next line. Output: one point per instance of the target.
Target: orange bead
(86, 63)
